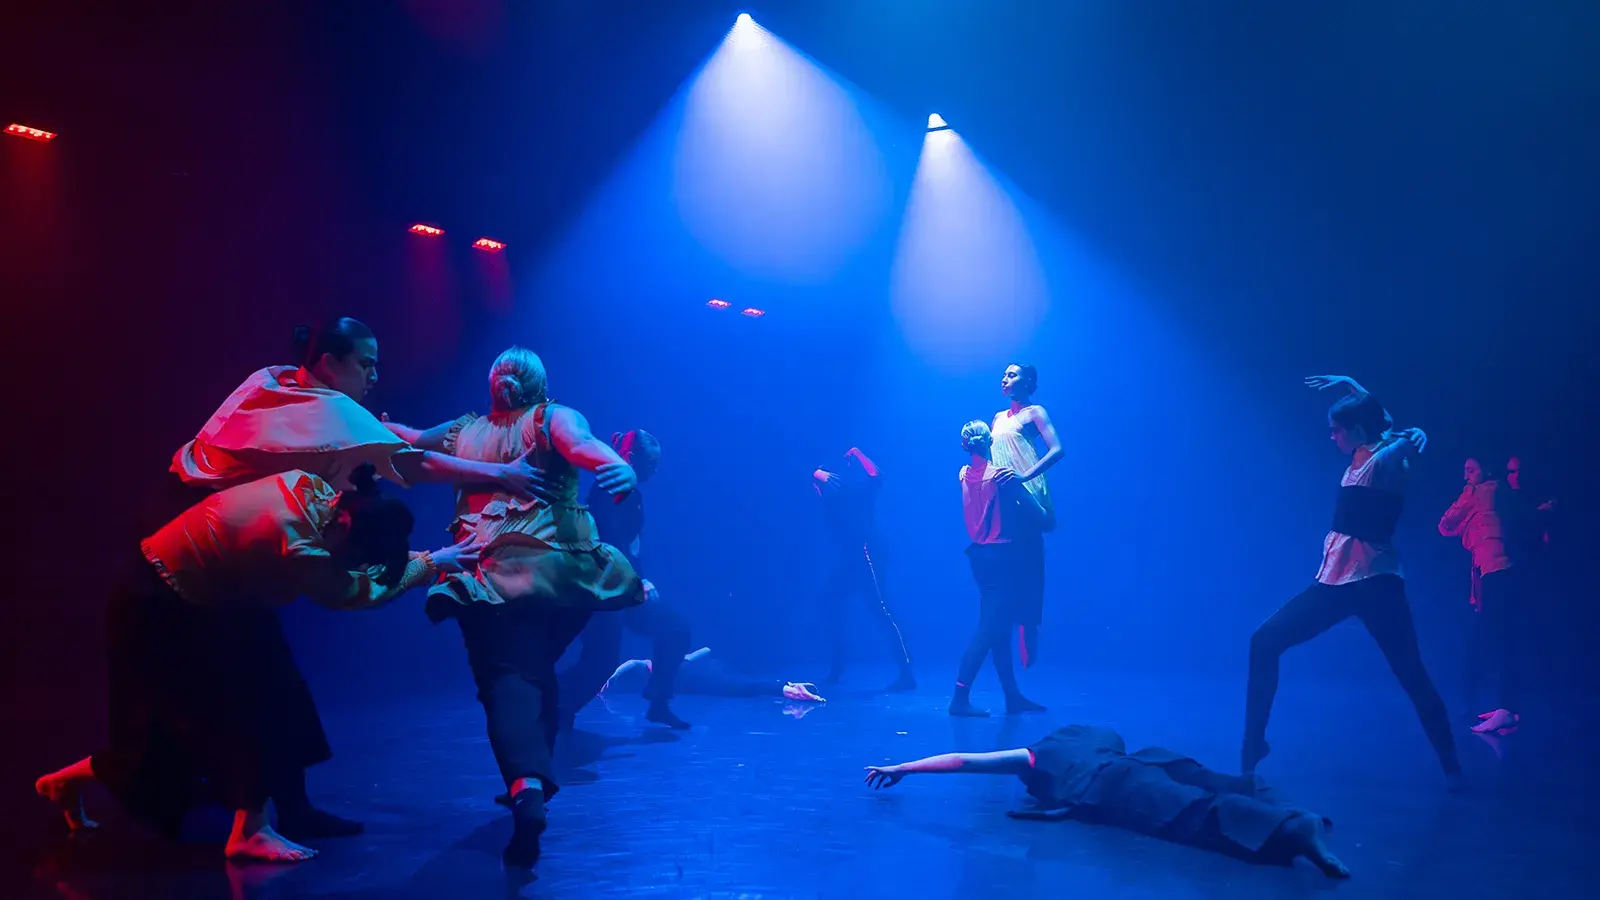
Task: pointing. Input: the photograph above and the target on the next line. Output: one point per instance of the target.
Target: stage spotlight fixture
(32, 134)
(936, 122)
(714, 303)
(754, 313)
(426, 230)
(744, 19)
(488, 244)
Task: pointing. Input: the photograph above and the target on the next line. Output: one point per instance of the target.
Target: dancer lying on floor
(194, 691)
(700, 674)
(1084, 772)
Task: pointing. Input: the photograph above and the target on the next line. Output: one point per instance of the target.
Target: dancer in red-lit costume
(195, 693)
(309, 417)
(1360, 575)
(544, 572)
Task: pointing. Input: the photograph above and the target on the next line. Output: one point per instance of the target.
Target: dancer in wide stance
(1006, 523)
(849, 493)
(309, 417)
(1360, 574)
(195, 693)
(621, 524)
(544, 572)
(1484, 517)
(1084, 772)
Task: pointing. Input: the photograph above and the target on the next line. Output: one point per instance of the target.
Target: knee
(1264, 646)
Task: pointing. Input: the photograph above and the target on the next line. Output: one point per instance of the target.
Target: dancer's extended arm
(998, 762)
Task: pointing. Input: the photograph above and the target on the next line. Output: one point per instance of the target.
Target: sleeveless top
(1014, 450)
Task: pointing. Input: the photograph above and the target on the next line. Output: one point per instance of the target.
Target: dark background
(1226, 197)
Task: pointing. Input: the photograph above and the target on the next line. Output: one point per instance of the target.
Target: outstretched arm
(998, 762)
(569, 432)
(1336, 382)
(438, 438)
(1052, 445)
(867, 465)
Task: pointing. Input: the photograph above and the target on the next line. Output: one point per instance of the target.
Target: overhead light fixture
(754, 313)
(936, 122)
(32, 134)
(744, 19)
(717, 304)
(426, 230)
(488, 244)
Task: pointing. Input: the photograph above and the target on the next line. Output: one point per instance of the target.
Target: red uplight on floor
(427, 230)
(754, 313)
(490, 245)
(32, 134)
(717, 304)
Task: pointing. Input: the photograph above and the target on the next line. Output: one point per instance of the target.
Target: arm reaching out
(999, 762)
(1344, 382)
(867, 465)
(569, 432)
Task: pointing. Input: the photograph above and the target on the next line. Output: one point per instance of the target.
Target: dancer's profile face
(1514, 473)
(354, 374)
(1346, 439)
(1471, 472)
(1012, 383)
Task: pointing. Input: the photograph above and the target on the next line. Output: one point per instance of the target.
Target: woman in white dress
(1014, 431)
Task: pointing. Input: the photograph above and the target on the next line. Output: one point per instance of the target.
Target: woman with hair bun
(194, 691)
(544, 572)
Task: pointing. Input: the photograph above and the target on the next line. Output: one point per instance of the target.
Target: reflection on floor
(764, 799)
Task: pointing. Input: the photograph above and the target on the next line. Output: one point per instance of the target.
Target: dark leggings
(1380, 603)
(1500, 635)
(601, 653)
(859, 573)
(1010, 578)
(513, 651)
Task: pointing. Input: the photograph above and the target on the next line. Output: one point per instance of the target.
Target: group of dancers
(279, 496)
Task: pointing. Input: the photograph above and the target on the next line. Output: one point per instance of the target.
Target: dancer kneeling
(1084, 772)
(194, 693)
(1006, 522)
(544, 572)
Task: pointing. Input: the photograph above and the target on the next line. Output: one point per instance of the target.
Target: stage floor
(764, 799)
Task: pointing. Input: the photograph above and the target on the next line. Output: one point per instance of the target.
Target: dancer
(1005, 521)
(194, 692)
(1084, 772)
(849, 501)
(621, 524)
(700, 674)
(1360, 575)
(309, 417)
(1014, 429)
(1499, 588)
(544, 571)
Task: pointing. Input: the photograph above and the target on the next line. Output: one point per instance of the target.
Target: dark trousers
(707, 676)
(1501, 634)
(1010, 579)
(1177, 799)
(668, 633)
(1380, 603)
(513, 650)
(859, 573)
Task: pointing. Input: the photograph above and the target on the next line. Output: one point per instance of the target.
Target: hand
(1323, 382)
(1416, 436)
(1005, 477)
(1546, 506)
(460, 556)
(525, 481)
(880, 777)
(650, 595)
(616, 479)
(1028, 638)
(827, 479)
(802, 690)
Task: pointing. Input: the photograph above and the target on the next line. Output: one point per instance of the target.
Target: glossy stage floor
(764, 799)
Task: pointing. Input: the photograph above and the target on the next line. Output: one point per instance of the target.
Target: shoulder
(962, 475)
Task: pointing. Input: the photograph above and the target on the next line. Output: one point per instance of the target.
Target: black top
(619, 523)
(1367, 514)
(1066, 761)
(851, 509)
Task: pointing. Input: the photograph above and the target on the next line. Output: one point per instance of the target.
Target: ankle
(246, 824)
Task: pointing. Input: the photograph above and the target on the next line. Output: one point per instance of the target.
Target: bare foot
(1308, 838)
(1495, 721)
(65, 789)
(964, 709)
(267, 845)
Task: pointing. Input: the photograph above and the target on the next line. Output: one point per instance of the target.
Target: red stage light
(32, 134)
(490, 245)
(754, 313)
(427, 230)
(717, 304)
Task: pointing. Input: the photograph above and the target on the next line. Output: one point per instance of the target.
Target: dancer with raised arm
(849, 506)
(1014, 430)
(621, 524)
(1360, 574)
(1084, 772)
(1006, 523)
(308, 417)
(194, 691)
(544, 572)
